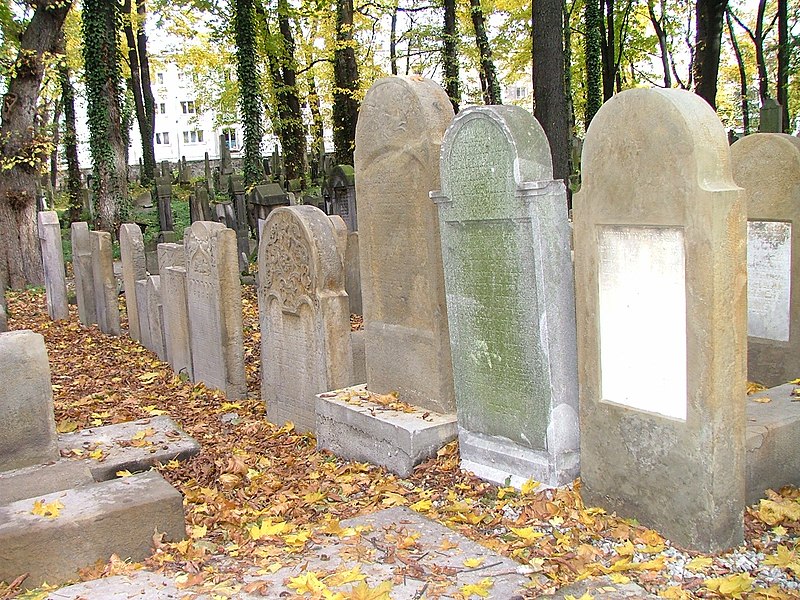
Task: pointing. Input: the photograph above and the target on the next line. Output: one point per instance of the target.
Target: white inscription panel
(769, 279)
(642, 282)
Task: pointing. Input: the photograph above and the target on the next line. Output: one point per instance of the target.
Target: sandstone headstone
(155, 316)
(143, 310)
(176, 319)
(55, 280)
(28, 435)
(510, 298)
(131, 250)
(164, 199)
(352, 274)
(84, 274)
(305, 319)
(3, 318)
(225, 162)
(399, 132)
(106, 297)
(659, 235)
(214, 296)
(767, 166)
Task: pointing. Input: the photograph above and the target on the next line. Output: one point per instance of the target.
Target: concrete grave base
(773, 428)
(32, 482)
(96, 521)
(372, 433)
(504, 462)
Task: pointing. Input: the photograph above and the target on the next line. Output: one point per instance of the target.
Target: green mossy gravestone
(660, 279)
(510, 298)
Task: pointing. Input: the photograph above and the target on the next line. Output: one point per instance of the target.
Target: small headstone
(199, 209)
(305, 319)
(28, 435)
(176, 319)
(771, 117)
(510, 298)
(84, 273)
(659, 235)
(402, 281)
(55, 280)
(214, 297)
(86, 202)
(106, 296)
(767, 166)
(342, 191)
(264, 198)
(240, 216)
(225, 162)
(131, 250)
(143, 310)
(164, 198)
(143, 199)
(352, 274)
(185, 174)
(166, 170)
(154, 316)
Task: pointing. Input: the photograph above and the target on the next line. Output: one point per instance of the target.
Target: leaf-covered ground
(261, 496)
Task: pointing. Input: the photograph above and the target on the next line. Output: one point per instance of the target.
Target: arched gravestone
(659, 237)
(400, 128)
(510, 298)
(305, 319)
(214, 298)
(767, 166)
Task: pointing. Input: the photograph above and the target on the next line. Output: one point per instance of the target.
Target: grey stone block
(33, 482)
(98, 520)
(369, 432)
(359, 356)
(140, 585)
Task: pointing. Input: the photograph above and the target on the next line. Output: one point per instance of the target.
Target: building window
(160, 78)
(162, 138)
(193, 137)
(162, 107)
(230, 139)
(521, 92)
(187, 106)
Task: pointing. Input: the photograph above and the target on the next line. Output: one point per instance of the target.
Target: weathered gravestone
(305, 319)
(131, 250)
(342, 192)
(164, 198)
(106, 296)
(399, 132)
(143, 311)
(770, 117)
(214, 296)
(266, 198)
(209, 184)
(352, 273)
(154, 316)
(3, 315)
(510, 298)
(174, 313)
(659, 235)
(199, 208)
(240, 214)
(28, 436)
(84, 273)
(55, 279)
(767, 166)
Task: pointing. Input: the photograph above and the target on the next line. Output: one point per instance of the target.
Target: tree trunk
(549, 93)
(782, 85)
(742, 74)
(490, 85)
(708, 41)
(249, 89)
(315, 106)
(393, 42)
(294, 140)
(607, 49)
(661, 34)
(345, 77)
(594, 68)
(144, 68)
(57, 110)
(22, 152)
(450, 55)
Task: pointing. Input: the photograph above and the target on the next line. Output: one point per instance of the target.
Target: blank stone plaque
(643, 319)
(769, 276)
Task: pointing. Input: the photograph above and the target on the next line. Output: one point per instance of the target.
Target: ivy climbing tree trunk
(708, 43)
(450, 55)
(22, 151)
(104, 94)
(490, 85)
(549, 93)
(345, 85)
(782, 88)
(249, 89)
(315, 106)
(70, 138)
(593, 18)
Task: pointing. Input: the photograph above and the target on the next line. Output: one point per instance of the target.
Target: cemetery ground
(260, 496)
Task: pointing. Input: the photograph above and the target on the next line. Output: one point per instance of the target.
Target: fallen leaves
(50, 510)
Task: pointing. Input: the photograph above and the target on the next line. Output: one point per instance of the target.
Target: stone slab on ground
(602, 587)
(94, 521)
(370, 432)
(773, 428)
(166, 442)
(32, 482)
(140, 585)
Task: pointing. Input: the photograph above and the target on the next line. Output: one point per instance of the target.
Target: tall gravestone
(28, 435)
(767, 166)
(305, 319)
(659, 235)
(510, 298)
(84, 274)
(399, 132)
(214, 297)
(174, 309)
(106, 297)
(131, 250)
(164, 197)
(155, 319)
(342, 192)
(55, 279)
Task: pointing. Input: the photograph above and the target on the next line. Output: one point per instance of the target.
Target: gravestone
(225, 162)
(659, 238)
(770, 117)
(505, 241)
(87, 205)
(28, 436)
(174, 311)
(143, 199)
(352, 274)
(399, 132)
(265, 198)
(154, 316)
(342, 192)
(209, 184)
(84, 273)
(767, 166)
(55, 279)
(241, 227)
(3, 315)
(214, 296)
(164, 198)
(303, 308)
(184, 173)
(143, 310)
(199, 208)
(131, 250)
(106, 296)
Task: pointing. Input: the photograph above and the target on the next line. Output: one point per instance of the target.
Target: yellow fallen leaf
(762, 399)
(529, 486)
(773, 512)
(731, 586)
(784, 558)
(471, 563)
(480, 589)
(50, 510)
(675, 592)
(363, 592)
(393, 499)
(343, 577)
(699, 563)
(527, 533)
(422, 506)
(447, 545)
(267, 529)
(586, 596)
(153, 411)
(97, 455)
(619, 578)
(149, 377)
(66, 426)
(313, 497)
(125, 473)
(143, 433)
(307, 583)
(626, 549)
(779, 530)
(199, 531)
